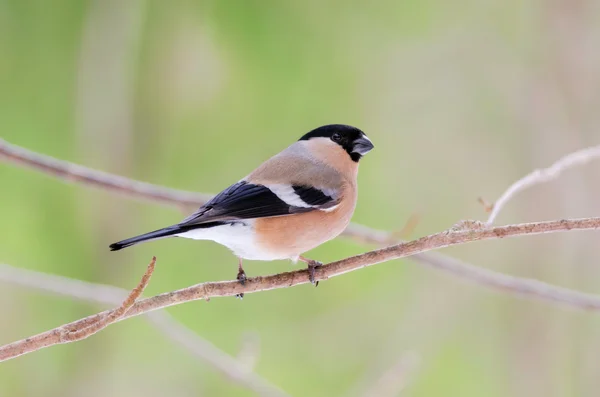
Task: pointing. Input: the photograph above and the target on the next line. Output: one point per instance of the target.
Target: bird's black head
(351, 139)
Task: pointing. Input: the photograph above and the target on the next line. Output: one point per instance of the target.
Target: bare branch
(444, 239)
(112, 316)
(487, 207)
(409, 227)
(74, 173)
(86, 327)
(106, 294)
(539, 176)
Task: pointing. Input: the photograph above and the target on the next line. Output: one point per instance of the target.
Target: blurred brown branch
(539, 176)
(74, 173)
(443, 239)
(233, 369)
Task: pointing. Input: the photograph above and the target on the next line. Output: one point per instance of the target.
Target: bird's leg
(241, 277)
(312, 265)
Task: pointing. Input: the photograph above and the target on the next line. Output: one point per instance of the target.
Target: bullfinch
(292, 203)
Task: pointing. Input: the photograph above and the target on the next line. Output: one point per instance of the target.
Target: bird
(295, 201)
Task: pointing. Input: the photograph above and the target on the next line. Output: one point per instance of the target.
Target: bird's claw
(312, 266)
(241, 277)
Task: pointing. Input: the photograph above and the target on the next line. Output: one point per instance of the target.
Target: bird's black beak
(362, 146)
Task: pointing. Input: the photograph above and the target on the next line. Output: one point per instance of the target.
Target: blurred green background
(460, 99)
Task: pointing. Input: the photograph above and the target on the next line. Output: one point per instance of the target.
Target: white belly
(238, 237)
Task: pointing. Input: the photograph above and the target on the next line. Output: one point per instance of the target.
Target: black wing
(246, 201)
(313, 196)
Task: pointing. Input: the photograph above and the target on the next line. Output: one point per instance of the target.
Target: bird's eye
(336, 137)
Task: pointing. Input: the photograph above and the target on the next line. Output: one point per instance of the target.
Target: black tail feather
(161, 233)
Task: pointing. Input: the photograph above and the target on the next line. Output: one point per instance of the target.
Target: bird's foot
(241, 277)
(312, 266)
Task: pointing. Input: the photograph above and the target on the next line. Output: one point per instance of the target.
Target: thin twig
(487, 207)
(443, 239)
(409, 227)
(84, 328)
(115, 314)
(538, 176)
(192, 343)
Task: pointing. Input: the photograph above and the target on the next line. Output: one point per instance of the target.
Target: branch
(106, 294)
(79, 333)
(73, 173)
(451, 237)
(539, 176)
(83, 328)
